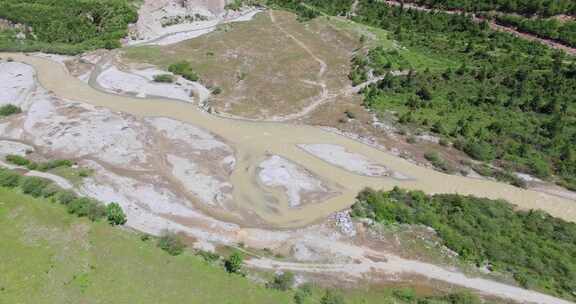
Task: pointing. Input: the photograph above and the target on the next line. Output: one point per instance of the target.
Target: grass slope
(48, 256)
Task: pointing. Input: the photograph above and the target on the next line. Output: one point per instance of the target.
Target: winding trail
(253, 140)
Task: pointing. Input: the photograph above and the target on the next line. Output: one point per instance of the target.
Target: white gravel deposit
(141, 84)
(277, 171)
(16, 83)
(338, 156)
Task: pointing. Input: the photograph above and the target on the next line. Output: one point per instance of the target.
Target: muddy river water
(254, 140)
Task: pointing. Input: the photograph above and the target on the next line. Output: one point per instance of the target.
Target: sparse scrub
(438, 162)
(9, 179)
(171, 243)
(164, 78)
(283, 281)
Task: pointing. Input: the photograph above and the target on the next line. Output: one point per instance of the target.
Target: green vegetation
(184, 69)
(9, 109)
(283, 281)
(438, 162)
(44, 166)
(80, 206)
(312, 8)
(66, 26)
(535, 247)
(234, 262)
(115, 214)
(564, 32)
(164, 78)
(171, 243)
(509, 100)
(527, 7)
(497, 97)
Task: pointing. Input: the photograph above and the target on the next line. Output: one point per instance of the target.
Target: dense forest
(536, 248)
(497, 97)
(66, 26)
(524, 7)
(563, 32)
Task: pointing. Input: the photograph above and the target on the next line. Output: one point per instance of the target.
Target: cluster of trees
(535, 247)
(564, 32)
(80, 206)
(67, 26)
(503, 98)
(525, 7)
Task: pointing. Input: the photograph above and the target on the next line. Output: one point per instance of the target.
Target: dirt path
(395, 265)
(493, 25)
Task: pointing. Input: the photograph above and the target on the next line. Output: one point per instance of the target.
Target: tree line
(536, 248)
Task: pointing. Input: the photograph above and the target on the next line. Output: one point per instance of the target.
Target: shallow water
(253, 140)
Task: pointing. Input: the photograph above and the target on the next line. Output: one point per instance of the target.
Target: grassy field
(48, 256)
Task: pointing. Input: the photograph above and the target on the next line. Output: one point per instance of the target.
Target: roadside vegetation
(65, 26)
(536, 248)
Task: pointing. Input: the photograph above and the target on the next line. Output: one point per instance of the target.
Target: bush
(209, 257)
(34, 186)
(9, 109)
(171, 243)
(332, 297)
(65, 197)
(17, 160)
(184, 69)
(234, 262)
(164, 78)
(479, 150)
(115, 214)
(87, 207)
(9, 179)
(50, 191)
(53, 164)
(283, 281)
(216, 90)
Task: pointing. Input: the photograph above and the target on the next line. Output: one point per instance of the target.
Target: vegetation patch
(65, 26)
(535, 247)
(9, 109)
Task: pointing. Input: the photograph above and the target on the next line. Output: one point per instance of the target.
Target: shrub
(208, 256)
(17, 160)
(96, 211)
(479, 150)
(65, 197)
(9, 179)
(9, 109)
(53, 164)
(216, 90)
(164, 78)
(171, 243)
(50, 191)
(184, 69)
(234, 262)
(115, 214)
(34, 186)
(332, 297)
(283, 281)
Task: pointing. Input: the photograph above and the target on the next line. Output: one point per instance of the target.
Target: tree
(115, 214)
(234, 262)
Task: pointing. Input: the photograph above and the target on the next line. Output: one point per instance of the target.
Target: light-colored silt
(254, 140)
